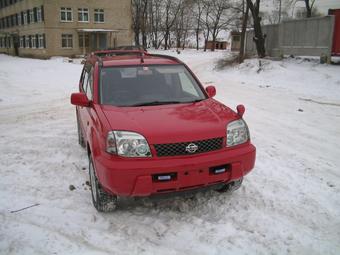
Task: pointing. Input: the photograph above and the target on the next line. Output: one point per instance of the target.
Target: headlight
(237, 133)
(127, 144)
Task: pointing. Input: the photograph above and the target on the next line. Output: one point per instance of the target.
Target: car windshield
(148, 85)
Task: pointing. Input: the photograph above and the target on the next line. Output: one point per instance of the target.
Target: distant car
(149, 127)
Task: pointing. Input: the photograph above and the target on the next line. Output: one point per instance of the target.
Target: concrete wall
(305, 37)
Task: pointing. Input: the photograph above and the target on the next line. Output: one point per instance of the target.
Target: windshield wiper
(197, 100)
(156, 103)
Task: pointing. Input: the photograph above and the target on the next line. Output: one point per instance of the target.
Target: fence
(305, 37)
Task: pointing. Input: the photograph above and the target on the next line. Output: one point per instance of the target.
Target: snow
(289, 204)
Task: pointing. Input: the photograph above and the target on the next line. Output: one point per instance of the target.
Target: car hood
(172, 123)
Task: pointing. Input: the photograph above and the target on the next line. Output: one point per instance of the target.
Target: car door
(86, 87)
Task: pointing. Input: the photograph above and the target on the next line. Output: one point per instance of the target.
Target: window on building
(84, 40)
(99, 15)
(21, 42)
(9, 42)
(67, 41)
(25, 18)
(27, 42)
(0, 42)
(83, 14)
(19, 18)
(31, 16)
(14, 20)
(9, 21)
(66, 14)
(41, 43)
(33, 41)
(39, 16)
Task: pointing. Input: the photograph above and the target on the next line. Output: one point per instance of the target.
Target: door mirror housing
(80, 99)
(211, 90)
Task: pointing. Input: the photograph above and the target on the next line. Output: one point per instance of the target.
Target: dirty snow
(289, 204)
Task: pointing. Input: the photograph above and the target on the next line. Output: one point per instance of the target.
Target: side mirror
(240, 110)
(211, 90)
(80, 99)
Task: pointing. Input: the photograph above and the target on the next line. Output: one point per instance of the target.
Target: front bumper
(138, 176)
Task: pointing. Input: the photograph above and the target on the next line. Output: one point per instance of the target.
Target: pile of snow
(289, 204)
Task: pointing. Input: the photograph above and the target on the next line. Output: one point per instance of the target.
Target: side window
(82, 79)
(89, 84)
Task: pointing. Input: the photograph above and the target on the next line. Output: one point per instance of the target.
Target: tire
(102, 201)
(81, 140)
(230, 187)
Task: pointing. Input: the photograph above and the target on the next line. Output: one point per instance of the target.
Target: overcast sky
(324, 5)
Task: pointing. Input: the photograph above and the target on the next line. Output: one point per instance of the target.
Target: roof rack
(165, 56)
(111, 53)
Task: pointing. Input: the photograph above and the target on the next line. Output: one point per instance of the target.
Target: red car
(149, 127)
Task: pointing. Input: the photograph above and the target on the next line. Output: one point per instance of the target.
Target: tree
(155, 22)
(183, 23)
(245, 14)
(309, 7)
(259, 37)
(217, 18)
(198, 20)
(139, 20)
(171, 11)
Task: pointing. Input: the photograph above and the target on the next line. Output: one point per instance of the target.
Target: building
(235, 41)
(45, 28)
(217, 45)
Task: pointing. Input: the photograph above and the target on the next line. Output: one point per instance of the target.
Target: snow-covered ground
(289, 204)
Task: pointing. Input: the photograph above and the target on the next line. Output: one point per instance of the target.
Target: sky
(321, 5)
(324, 5)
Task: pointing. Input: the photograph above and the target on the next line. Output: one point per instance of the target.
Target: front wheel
(102, 201)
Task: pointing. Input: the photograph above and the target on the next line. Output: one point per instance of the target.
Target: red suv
(150, 127)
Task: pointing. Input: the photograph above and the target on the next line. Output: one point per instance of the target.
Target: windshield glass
(148, 85)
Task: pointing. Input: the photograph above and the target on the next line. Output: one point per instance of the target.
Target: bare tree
(198, 11)
(309, 7)
(245, 15)
(136, 12)
(218, 15)
(139, 20)
(259, 37)
(206, 22)
(155, 22)
(183, 23)
(171, 11)
(144, 22)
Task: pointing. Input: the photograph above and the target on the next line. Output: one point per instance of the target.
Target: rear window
(138, 85)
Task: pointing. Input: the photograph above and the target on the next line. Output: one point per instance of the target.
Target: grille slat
(177, 149)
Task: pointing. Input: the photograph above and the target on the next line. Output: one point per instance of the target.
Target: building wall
(218, 45)
(22, 29)
(117, 15)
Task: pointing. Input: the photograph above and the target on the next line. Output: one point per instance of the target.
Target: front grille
(177, 149)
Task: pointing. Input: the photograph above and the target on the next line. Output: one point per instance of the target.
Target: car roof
(130, 57)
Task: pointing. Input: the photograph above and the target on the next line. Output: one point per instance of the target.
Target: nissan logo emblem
(191, 148)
